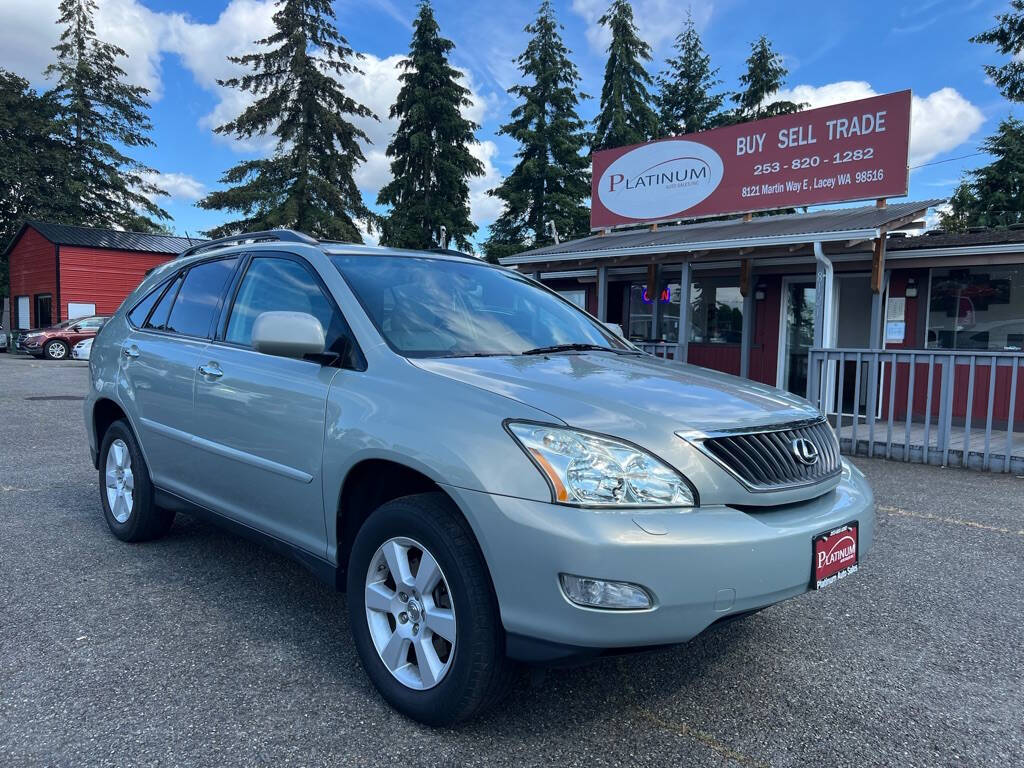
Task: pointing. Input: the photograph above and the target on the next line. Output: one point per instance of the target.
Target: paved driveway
(204, 649)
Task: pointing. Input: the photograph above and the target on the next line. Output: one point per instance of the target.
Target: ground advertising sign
(851, 151)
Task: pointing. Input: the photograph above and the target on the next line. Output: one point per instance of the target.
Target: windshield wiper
(567, 348)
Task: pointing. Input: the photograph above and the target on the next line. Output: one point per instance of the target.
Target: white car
(82, 349)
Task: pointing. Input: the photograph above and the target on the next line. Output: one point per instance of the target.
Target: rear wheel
(126, 492)
(56, 350)
(424, 615)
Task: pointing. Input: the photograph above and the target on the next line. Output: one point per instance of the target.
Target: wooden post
(654, 227)
(745, 272)
(877, 264)
(877, 286)
(880, 203)
(748, 216)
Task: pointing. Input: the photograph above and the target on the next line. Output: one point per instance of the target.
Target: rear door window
(138, 315)
(199, 298)
(158, 320)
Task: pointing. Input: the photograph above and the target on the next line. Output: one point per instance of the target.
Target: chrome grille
(765, 459)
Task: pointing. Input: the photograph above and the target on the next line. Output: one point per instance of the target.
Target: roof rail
(270, 235)
(453, 252)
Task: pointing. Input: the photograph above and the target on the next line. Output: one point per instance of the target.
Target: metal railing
(950, 408)
(660, 349)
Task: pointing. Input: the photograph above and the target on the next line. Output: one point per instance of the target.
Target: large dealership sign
(851, 151)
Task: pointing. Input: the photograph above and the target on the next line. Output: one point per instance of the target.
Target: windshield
(440, 308)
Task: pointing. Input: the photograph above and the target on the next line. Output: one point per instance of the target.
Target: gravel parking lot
(205, 649)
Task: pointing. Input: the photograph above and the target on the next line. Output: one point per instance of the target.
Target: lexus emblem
(804, 451)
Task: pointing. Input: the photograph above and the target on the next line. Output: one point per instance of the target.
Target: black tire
(480, 673)
(56, 350)
(145, 521)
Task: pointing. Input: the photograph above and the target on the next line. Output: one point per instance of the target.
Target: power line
(947, 160)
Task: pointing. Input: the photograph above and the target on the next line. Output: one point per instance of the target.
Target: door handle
(212, 370)
(131, 351)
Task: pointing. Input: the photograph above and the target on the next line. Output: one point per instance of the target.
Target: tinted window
(440, 308)
(272, 285)
(199, 297)
(158, 320)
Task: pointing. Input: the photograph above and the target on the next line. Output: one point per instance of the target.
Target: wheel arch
(372, 482)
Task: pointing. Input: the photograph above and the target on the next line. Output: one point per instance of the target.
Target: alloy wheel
(410, 614)
(120, 481)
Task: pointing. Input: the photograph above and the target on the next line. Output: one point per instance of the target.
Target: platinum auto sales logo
(843, 549)
(661, 179)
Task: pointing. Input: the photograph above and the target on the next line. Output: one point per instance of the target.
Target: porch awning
(759, 237)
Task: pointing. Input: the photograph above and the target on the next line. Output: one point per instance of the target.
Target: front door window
(798, 334)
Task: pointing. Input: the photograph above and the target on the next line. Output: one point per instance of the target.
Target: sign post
(845, 152)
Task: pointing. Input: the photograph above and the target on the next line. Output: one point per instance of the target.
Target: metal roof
(90, 237)
(939, 239)
(832, 225)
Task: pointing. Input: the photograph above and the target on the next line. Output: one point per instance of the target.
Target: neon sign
(665, 298)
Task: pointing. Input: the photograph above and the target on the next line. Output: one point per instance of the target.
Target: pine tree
(1008, 37)
(551, 181)
(99, 110)
(308, 183)
(430, 159)
(625, 116)
(685, 102)
(993, 195)
(31, 161)
(957, 217)
(765, 76)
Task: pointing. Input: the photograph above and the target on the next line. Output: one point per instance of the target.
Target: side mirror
(288, 334)
(614, 328)
(75, 328)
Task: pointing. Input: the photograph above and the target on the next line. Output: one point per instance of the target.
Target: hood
(630, 396)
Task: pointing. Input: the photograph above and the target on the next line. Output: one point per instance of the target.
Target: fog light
(598, 593)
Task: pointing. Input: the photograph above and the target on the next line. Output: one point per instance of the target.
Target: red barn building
(59, 272)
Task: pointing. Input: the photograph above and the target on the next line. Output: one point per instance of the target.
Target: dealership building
(910, 340)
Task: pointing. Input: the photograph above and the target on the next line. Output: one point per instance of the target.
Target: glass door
(799, 299)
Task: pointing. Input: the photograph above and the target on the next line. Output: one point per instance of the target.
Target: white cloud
(939, 122)
(659, 21)
(30, 30)
(180, 186)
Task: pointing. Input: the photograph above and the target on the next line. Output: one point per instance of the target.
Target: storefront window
(717, 311)
(977, 308)
(641, 312)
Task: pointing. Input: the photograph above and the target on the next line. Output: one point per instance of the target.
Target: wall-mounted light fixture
(911, 291)
(759, 292)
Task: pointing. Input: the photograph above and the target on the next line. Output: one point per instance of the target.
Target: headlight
(600, 471)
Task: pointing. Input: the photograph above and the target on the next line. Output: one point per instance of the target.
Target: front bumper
(701, 565)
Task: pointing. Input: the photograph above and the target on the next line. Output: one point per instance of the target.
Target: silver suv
(492, 474)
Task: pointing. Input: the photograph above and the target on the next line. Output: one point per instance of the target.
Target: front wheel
(423, 612)
(56, 350)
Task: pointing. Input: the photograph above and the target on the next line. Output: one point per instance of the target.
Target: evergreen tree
(31, 161)
(765, 76)
(430, 159)
(1008, 37)
(98, 110)
(307, 184)
(993, 195)
(685, 102)
(626, 116)
(957, 217)
(551, 180)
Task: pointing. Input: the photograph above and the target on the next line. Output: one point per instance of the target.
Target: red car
(55, 342)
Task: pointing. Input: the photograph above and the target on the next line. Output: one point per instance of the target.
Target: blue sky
(834, 50)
